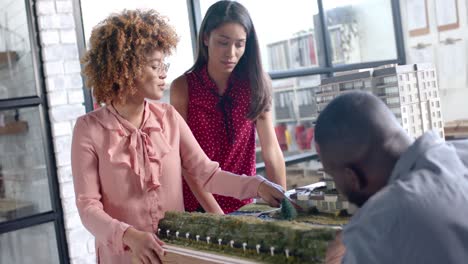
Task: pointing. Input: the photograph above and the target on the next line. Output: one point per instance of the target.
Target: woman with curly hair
(128, 156)
(225, 98)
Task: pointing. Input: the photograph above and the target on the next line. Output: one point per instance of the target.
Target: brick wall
(65, 95)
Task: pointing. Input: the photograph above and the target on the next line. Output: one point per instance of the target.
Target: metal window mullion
(398, 31)
(20, 102)
(29, 221)
(327, 48)
(54, 191)
(194, 13)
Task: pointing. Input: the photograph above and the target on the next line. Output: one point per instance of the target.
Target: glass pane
(360, 30)
(176, 11)
(288, 46)
(24, 187)
(295, 110)
(16, 65)
(30, 245)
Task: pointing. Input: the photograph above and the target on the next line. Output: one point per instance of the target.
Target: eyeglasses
(161, 67)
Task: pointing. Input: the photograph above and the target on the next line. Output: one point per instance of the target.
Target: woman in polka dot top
(225, 97)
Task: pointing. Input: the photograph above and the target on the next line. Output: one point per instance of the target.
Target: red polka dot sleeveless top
(221, 128)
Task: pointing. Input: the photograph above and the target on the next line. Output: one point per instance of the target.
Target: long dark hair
(250, 64)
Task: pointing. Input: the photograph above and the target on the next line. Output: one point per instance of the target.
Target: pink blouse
(127, 176)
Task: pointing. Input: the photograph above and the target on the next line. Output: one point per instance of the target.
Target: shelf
(307, 119)
(286, 120)
(284, 89)
(11, 209)
(306, 87)
(456, 129)
(14, 128)
(6, 56)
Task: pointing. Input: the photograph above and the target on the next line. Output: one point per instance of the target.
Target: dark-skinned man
(413, 195)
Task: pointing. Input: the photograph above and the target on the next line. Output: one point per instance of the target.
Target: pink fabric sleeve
(207, 173)
(106, 229)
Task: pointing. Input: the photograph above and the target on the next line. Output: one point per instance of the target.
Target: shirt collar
(112, 120)
(149, 139)
(233, 80)
(409, 157)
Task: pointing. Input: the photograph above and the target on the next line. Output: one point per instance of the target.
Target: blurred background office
(411, 53)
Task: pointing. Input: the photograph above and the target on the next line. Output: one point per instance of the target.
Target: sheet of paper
(416, 14)
(451, 65)
(446, 11)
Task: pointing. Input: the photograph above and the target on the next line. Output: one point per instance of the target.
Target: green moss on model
(254, 207)
(323, 219)
(306, 243)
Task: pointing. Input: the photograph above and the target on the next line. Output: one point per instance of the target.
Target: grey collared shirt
(421, 216)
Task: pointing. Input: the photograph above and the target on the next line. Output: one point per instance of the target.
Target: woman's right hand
(271, 193)
(146, 247)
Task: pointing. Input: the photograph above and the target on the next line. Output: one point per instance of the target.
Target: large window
(30, 210)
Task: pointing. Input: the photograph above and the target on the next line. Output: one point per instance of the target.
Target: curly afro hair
(118, 46)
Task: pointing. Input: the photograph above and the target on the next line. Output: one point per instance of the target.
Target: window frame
(55, 215)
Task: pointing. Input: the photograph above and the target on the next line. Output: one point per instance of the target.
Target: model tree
(288, 212)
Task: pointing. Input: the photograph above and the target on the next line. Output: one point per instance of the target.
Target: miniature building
(410, 91)
(323, 196)
(332, 201)
(334, 86)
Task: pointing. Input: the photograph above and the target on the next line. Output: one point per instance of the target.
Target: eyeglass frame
(162, 67)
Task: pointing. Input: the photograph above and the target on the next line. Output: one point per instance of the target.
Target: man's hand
(271, 193)
(146, 247)
(335, 250)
